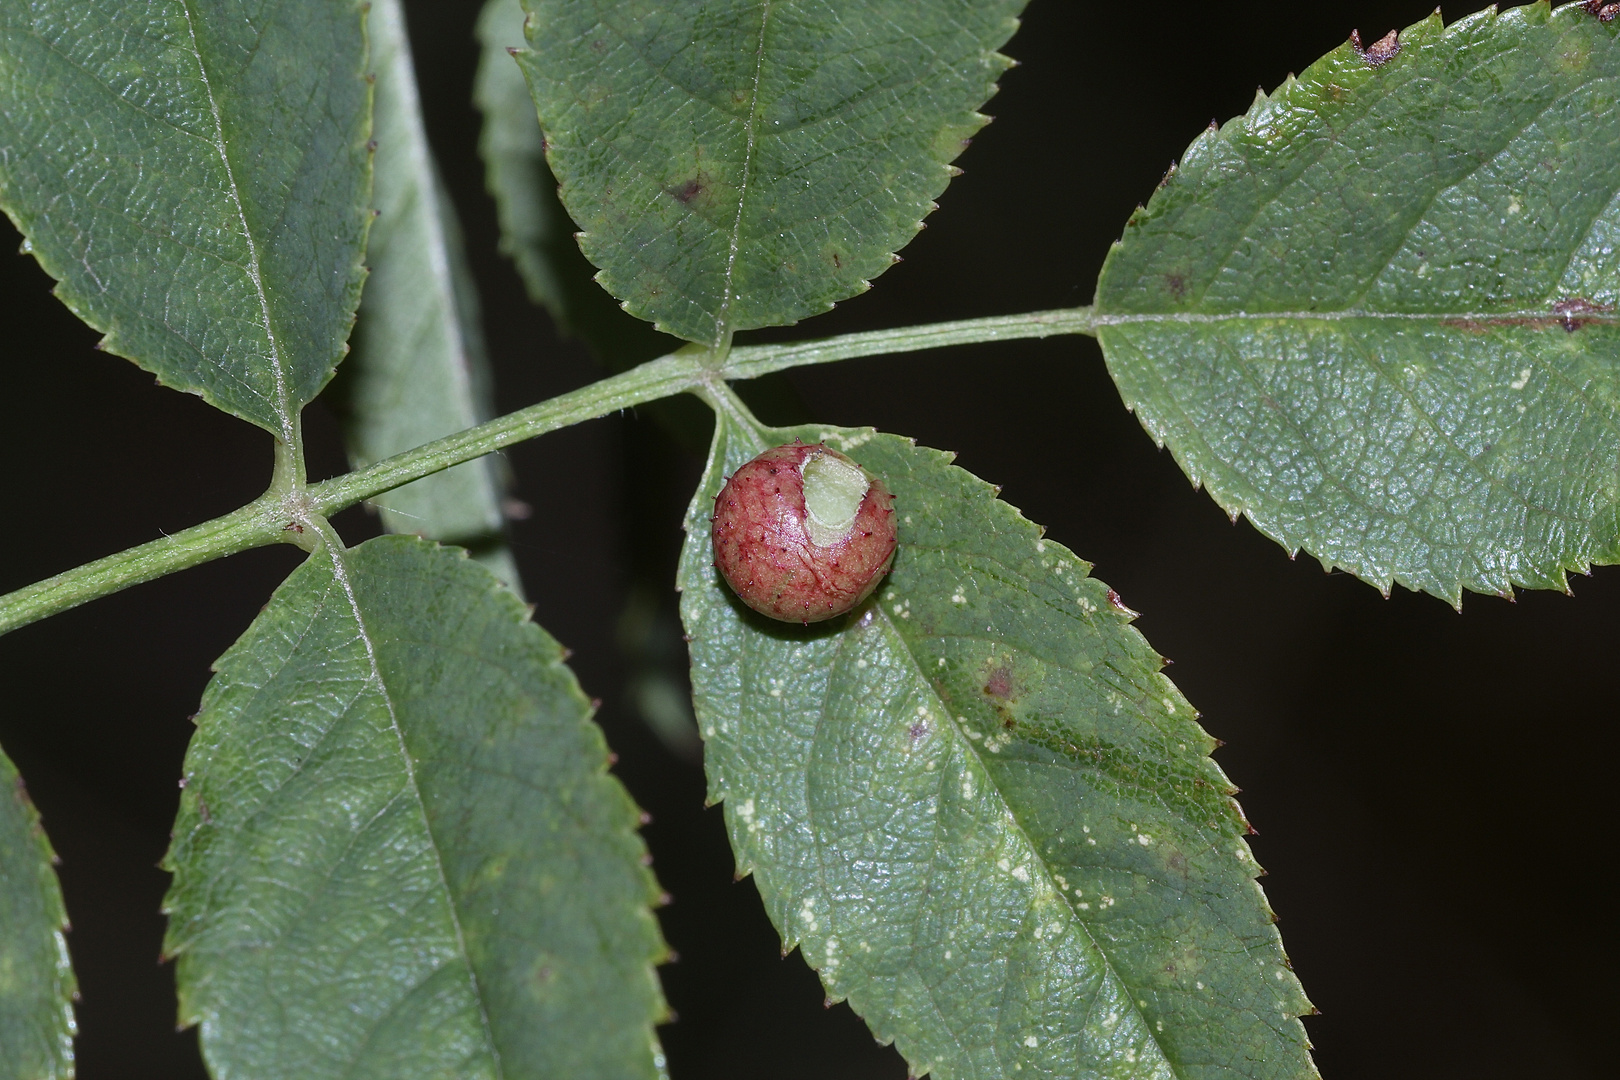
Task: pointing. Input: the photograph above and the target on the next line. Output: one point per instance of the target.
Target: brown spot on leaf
(1177, 284)
(1570, 314)
(1571, 309)
(1605, 12)
(999, 685)
(1379, 52)
(685, 193)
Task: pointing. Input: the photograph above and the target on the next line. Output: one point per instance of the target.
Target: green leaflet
(751, 162)
(194, 175)
(979, 809)
(36, 980)
(535, 230)
(1375, 314)
(419, 371)
(399, 853)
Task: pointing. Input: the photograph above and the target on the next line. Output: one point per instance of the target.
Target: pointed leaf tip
(730, 232)
(945, 790)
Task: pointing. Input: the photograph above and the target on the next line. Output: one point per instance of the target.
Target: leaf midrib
(340, 571)
(758, 443)
(1037, 857)
(282, 405)
(1485, 318)
(721, 322)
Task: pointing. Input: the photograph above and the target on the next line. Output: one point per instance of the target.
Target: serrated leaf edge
(1229, 495)
(763, 437)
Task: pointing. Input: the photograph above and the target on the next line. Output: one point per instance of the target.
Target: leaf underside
(979, 809)
(1376, 314)
(399, 854)
(752, 162)
(36, 980)
(194, 174)
(419, 371)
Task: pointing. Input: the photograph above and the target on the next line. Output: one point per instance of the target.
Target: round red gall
(802, 533)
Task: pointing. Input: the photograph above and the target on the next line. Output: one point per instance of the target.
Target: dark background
(1431, 789)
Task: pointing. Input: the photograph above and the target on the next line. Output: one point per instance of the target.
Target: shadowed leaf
(419, 371)
(536, 232)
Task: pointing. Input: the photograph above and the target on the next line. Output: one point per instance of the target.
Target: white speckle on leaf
(1021, 873)
(861, 664)
(1031, 1041)
(1522, 381)
(1144, 839)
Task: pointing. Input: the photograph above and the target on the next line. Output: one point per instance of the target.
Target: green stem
(269, 518)
(254, 525)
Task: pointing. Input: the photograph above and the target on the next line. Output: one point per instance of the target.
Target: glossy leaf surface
(752, 162)
(399, 853)
(36, 980)
(419, 371)
(195, 175)
(977, 806)
(1376, 314)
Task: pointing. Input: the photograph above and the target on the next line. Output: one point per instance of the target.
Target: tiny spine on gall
(802, 533)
